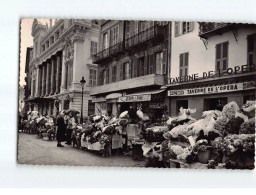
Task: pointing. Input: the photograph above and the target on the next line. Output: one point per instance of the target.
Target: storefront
(210, 95)
(152, 102)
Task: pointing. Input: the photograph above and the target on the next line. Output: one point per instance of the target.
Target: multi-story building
(132, 66)
(211, 64)
(62, 55)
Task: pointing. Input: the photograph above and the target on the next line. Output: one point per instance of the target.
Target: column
(47, 78)
(38, 81)
(43, 80)
(52, 76)
(58, 74)
(63, 75)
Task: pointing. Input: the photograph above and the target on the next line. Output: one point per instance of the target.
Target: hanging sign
(135, 98)
(214, 89)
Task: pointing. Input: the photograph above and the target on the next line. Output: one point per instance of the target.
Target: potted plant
(204, 154)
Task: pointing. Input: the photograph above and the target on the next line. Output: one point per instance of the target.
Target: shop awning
(140, 96)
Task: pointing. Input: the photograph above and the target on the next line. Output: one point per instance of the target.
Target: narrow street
(32, 150)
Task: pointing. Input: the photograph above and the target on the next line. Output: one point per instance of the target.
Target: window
(91, 108)
(151, 63)
(92, 77)
(251, 48)
(222, 56)
(249, 98)
(105, 41)
(141, 66)
(181, 103)
(127, 29)
(126, 70)
(115, 35)
(159, 62)
(184, 64)
(183, 28)
(93, 48)
(107, 76)
(114, 73)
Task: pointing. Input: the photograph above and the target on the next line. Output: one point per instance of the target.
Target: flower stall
(221, 139)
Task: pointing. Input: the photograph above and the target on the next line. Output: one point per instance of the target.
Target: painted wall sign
(98, 99)
(156, 105)
(214, 89)
(135, 98)
(211, 74)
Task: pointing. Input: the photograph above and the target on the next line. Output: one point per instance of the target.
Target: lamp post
(82, 82)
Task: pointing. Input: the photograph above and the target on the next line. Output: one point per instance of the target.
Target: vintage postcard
(164, 94)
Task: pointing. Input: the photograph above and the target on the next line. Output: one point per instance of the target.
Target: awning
(113, 96)
(140, 96)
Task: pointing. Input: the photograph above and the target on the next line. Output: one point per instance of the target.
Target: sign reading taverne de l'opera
(211, 74)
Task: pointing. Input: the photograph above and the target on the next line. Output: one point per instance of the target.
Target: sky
(26, 40)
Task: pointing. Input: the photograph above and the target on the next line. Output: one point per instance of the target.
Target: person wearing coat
(61, 129)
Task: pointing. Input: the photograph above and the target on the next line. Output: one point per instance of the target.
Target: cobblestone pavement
(32, 150)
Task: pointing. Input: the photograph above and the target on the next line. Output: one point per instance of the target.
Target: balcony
(148, 80)
(208, 29)
(108, 53)
(153, 33)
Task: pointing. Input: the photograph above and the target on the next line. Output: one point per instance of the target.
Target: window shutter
(151, 62)
(218, 57)
(251, 48)
(121, 71)
(165, 61)
(181, 60)
(130, 69)
(107, 75)
(100, 77)
(177, 29)
(146, 64)
(186, 59)
(135, 67)
(154, 63)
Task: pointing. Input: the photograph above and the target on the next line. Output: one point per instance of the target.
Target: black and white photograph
(137, 93)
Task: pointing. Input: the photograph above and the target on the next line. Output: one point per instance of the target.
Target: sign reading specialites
(135, 98)
(214, 89)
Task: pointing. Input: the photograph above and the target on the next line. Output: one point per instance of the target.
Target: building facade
(62, 55)
(132, 66)
(211, 64)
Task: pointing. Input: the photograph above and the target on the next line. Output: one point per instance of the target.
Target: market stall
(221, 139)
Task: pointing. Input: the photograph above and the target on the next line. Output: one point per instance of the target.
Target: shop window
(215, 103)
(181, 103)
(184, 64)
(92, 77)
(251, 49)
(93, 48)
(114, 68)
(222, 56)
(91, 108)
(248, 98)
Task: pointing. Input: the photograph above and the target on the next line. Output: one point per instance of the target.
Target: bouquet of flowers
(233, 125)
(105, 139)
(230, 109)
(180, 130)
(220, 124)
(248, 127)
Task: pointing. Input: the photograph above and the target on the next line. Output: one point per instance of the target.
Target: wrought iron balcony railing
(108, 52)
(208, 29)
(144, 36)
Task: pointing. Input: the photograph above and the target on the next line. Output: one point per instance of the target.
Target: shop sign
(214, 89)
(135, 98)
(98, 99)
(113, 96)
(156, 105)
(211, 74)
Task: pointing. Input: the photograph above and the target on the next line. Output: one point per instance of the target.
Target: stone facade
(61, 57)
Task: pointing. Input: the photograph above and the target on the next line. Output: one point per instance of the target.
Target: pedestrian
(61, 129)
(70, 126)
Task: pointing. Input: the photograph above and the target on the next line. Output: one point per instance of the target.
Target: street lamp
(82, 82)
